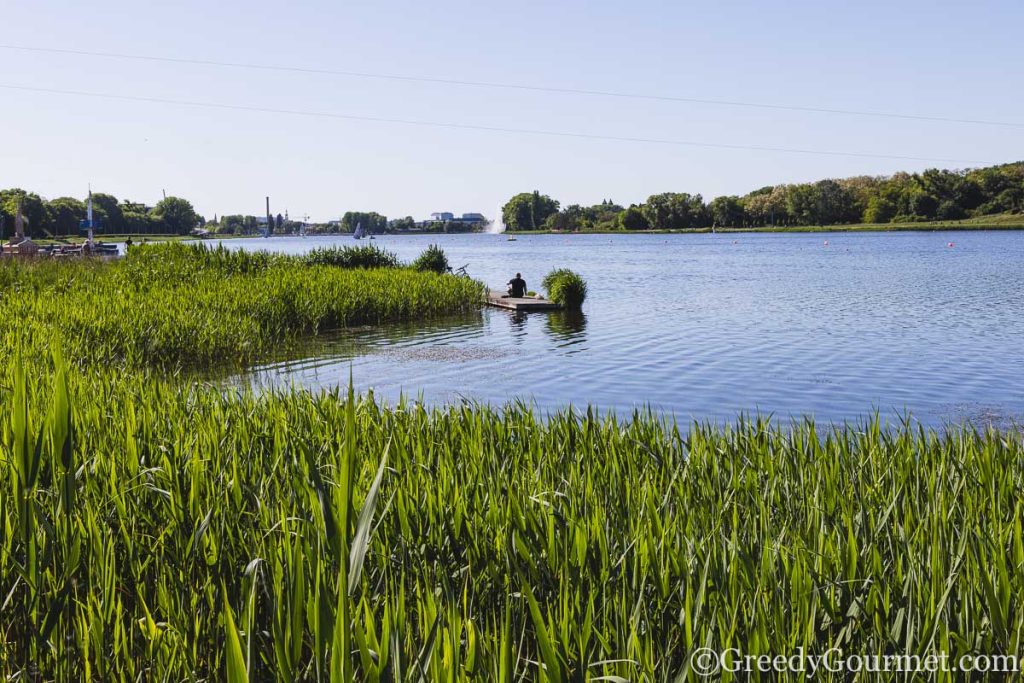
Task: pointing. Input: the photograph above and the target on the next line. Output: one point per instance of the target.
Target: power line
(470, 126)
(517, 86)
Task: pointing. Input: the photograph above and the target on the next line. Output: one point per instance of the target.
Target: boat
(359, 232)
(511, 238)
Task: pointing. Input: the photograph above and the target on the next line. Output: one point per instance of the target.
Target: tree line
(60, 217)
(901, 198)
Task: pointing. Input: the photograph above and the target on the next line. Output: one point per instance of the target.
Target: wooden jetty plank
(521, 304)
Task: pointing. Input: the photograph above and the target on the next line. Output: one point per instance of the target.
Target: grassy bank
(174, 306)
(1007, 221)
(153, 528)
(165, 532)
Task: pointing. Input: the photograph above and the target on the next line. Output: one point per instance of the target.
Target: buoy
(826, 243)
(949, 244)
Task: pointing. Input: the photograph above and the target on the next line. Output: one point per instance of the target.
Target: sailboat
(359, 233)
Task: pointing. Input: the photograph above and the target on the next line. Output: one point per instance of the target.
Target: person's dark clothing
(517, 287)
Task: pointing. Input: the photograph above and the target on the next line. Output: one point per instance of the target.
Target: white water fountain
(496, 226)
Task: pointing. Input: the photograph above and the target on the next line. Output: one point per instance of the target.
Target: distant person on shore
(517, 286)
(128, 244)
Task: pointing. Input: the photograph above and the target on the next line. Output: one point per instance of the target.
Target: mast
(19, 223)
(88, 217)
(267, 233)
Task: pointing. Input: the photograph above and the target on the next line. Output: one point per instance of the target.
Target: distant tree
(825, 202)
(879, 210)
(528, 210)
(65, 214)
(675, 211)
(137, 207)
(922, 205)
(279, 222)
(767, 206)
(727, 212)
(633, 218)
(33, 210)
(603, 216)
(140, 223)
(568, 219)
(371, 221)
(402, 224)
(177, 215)
(949, 210)
(108, 212)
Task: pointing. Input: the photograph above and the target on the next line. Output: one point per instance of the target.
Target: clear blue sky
(949, 59)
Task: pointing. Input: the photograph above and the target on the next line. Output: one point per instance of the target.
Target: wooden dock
(521, 304)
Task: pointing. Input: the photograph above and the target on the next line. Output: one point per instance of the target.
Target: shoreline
(860, 227)
(943, 226)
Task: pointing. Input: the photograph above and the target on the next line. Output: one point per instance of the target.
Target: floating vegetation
(566, 288)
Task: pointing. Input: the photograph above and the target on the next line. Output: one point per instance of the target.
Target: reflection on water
(708, 326)
(567, 327)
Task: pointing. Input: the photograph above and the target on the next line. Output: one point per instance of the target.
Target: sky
(933, 59)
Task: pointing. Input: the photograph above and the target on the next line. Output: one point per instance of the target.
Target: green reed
(176, 305)
(157, 531)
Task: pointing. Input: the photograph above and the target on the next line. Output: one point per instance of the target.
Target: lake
(702, 326)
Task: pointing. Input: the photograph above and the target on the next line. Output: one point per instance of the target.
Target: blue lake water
(707, 326)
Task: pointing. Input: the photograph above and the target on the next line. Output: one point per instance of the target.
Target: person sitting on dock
(517, 287)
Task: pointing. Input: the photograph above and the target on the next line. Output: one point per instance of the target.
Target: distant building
(469, 220)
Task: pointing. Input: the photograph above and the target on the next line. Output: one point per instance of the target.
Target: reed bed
(151, 530)
(179, 306)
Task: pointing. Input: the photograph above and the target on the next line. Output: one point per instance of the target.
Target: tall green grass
(433, 259)
(157, 531)
(366, 256)
(565, 287)
(175, 305)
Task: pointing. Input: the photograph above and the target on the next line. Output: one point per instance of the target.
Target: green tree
(568, 219)
(528, 210)
(768, 205)
(633, 218)
(33, 210)
(108, 212)
(603, 216)
(372, 222)
(880, 209)
(675, 211)
(402, 224)
(65, 214)
(727, 212)
(138, 223)
(177, 215)
(825, 202)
